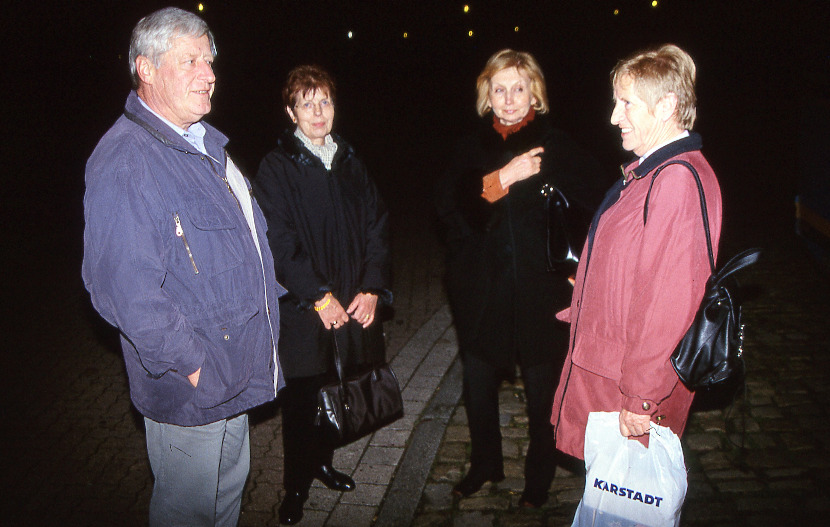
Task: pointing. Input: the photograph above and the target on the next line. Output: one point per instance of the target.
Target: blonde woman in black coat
(328, 231)
(503, 292)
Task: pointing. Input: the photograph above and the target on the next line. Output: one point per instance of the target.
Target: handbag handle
(703, 209)
(338, 362)
(749, 256)
(738, 262)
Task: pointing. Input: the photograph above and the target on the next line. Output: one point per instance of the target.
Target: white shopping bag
(627, 484)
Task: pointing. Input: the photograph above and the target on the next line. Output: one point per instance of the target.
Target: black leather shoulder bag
(711, 351)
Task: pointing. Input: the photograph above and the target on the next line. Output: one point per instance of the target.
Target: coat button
(227, 337)
(646, 407)
(660, 418)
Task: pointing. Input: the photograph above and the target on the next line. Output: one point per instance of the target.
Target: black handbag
(711, 351)
(566, 228)
(353, 407)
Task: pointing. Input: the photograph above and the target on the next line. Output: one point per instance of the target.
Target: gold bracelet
(325, 304)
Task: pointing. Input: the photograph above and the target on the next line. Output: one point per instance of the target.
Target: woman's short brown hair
(658, 72)
(525, 63)
(305, 79)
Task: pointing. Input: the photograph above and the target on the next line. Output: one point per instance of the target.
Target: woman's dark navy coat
(328, 230)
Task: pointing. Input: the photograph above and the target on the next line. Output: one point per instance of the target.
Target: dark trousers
(481, 400)
(304, 448)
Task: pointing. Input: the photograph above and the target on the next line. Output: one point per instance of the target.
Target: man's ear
(145, 69)
(666, 106)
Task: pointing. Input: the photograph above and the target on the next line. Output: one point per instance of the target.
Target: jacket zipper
(180, 234)
(230, 191)
(228, 185)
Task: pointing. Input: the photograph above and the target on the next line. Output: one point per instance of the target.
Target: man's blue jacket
(170, 261)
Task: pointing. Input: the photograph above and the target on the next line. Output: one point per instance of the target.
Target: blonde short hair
(658, 72)
(525, 63)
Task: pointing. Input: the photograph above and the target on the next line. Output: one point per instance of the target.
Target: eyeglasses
(309, 106)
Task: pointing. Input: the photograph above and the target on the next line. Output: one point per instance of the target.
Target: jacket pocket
(597, 354)
(229, 363)
(212, 241)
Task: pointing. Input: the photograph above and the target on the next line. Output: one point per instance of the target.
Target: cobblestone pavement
(77, 453)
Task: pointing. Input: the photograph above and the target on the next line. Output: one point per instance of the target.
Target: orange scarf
(504, 131)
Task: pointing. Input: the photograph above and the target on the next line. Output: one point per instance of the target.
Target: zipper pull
(180, 234)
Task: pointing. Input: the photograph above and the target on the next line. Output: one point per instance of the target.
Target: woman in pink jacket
(640, 279)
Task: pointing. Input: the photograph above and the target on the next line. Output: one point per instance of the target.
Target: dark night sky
(69, 59)
(402, 101)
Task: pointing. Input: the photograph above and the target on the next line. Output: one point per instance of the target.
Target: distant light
(470, 33)
(351, 34)
(653, 3)
(405, 34)
(616, 12)
(201, 7)
(516, 29)
(466, 8)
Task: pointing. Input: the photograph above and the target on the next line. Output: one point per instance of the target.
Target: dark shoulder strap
(703, 210)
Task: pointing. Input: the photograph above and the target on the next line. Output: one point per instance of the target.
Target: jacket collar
(215, 140)
(297, 150)
(688, 144)
(505, 131)
(521, 139)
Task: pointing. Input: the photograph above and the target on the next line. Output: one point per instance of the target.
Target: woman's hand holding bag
(331, 312)
(627, 484)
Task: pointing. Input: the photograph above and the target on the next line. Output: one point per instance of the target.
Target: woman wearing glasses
(327, 228)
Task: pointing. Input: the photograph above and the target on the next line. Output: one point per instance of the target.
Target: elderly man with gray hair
(176, 257)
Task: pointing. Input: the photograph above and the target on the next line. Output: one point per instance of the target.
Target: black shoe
(334, 480)
(474, 480)
(291, 508)
(532, 500)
